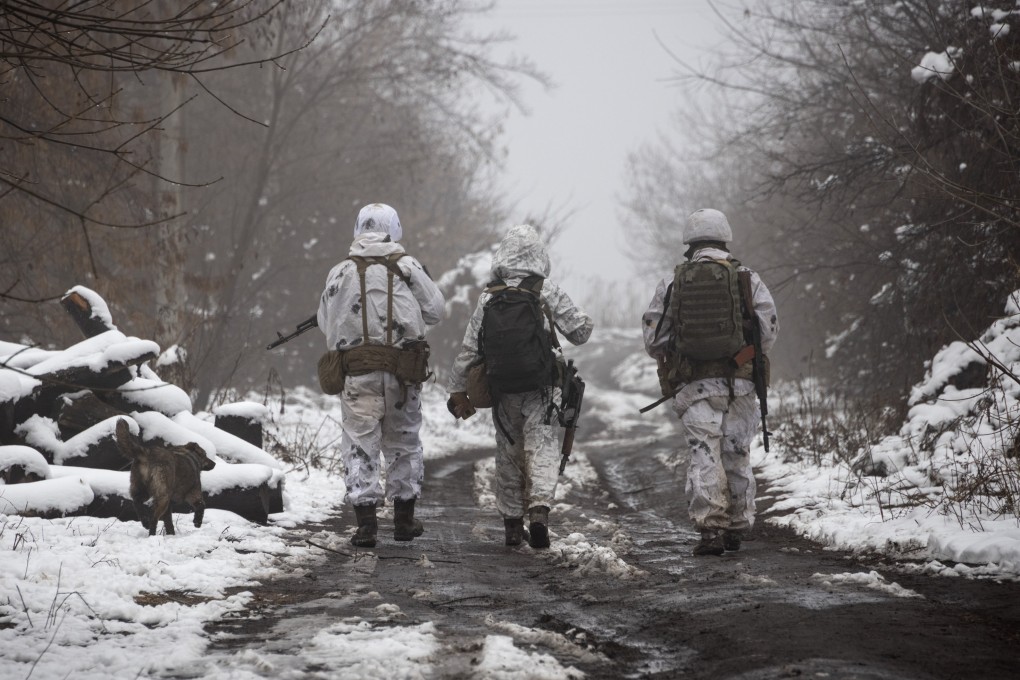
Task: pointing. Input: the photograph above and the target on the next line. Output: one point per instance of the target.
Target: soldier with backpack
(512, 332)
(704, 326)
(374, 312)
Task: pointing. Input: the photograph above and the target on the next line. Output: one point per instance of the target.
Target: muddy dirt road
(619, 595)
(777, 608)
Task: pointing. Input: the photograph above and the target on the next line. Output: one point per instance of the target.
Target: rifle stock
(570, 410)
(306, 325)
(568, 445)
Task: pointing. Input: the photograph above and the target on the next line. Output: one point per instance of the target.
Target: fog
(612, 89)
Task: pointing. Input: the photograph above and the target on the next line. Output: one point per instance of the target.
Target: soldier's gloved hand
(460, 406)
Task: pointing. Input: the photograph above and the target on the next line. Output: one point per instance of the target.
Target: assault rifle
(306, 325)
(570, 409)
(758, 358)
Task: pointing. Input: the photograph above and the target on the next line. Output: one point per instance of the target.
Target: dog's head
(197, 454)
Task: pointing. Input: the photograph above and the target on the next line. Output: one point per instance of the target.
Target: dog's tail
(127, 442)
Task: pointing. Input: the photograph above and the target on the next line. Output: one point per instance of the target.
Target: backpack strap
(533, 284)
(393, 271)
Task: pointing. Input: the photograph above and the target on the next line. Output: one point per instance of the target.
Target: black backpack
(513, 341)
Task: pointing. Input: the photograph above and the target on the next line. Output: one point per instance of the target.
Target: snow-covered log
(48, 498)
(95, 447)
(19, 464)
(89, 311)
(65, 404)
(82, 410)
(242, 419)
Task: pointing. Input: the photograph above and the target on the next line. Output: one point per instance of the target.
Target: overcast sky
(611, 94)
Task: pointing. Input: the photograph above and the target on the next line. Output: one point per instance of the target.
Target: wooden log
(252, 503)
(244, 428)
(44, 399)
(80, 309)
(7, 422)
(95, 450)
(80, 412)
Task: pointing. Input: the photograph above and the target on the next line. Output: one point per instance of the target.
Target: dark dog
(166, 474)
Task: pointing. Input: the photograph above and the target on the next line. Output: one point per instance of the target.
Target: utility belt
(408, 363)
(688, 370)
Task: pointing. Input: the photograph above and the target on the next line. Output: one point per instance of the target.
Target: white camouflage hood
(379, 217)
(520, 254)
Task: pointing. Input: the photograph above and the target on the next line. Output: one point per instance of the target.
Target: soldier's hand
(460, 406)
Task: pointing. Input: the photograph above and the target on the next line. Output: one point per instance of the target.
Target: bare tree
(91, 144)
(885, 196)
(380, 107)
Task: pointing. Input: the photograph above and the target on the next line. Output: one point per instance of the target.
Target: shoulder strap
(388, 261)
(392, 271)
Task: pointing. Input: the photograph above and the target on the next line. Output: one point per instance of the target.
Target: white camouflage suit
(377, 414)
(716, 433)
(526, 470)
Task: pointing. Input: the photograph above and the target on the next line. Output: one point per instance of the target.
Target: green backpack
(705, 303)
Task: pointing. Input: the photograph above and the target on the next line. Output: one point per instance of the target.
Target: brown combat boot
(368, 526)
(405, 526)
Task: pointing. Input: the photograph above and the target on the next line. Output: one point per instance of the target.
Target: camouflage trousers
(373, 423)
(527, 469)
(716, 438)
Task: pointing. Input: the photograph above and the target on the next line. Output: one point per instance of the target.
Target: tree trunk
(171, 251)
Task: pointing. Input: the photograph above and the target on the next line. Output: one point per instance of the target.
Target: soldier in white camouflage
(527, 451)
(718, 412)
(379, 412)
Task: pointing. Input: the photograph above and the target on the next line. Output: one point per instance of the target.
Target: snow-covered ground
(85, 597)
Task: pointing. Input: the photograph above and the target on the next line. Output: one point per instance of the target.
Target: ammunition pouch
(331, 372)
(413, 363)
(478, 387)
(409, 364)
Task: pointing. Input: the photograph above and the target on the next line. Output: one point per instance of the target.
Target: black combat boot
(538, 527)
(515, 532)
(711, 543)
(731, 540)
(405, 526)
(368, 526)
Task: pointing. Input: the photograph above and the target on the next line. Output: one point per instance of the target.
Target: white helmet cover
(707, 225)
(379, 217)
